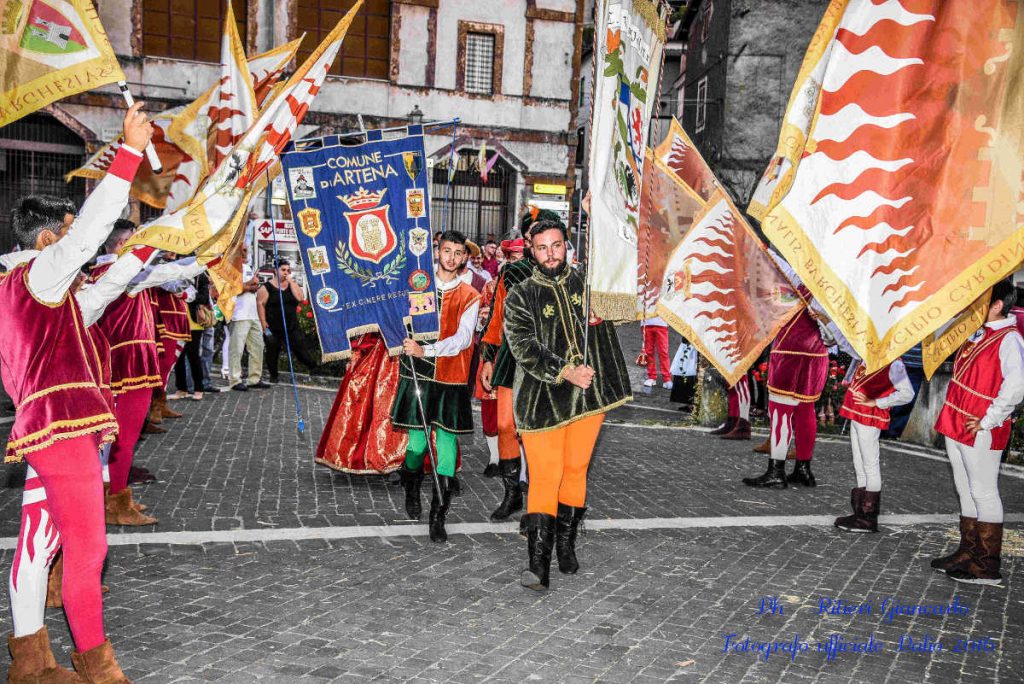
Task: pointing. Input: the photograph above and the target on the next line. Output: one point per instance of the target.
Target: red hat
(509, 246)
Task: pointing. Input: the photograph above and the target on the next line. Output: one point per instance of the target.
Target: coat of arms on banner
(302, 182)
(309, 222)
(365, 236)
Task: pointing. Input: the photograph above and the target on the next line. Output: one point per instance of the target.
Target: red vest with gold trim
(129, 326)
(171, 315)
(51, 370)
(977, 377)
(454, 370)
(798, 363)
(873, 386)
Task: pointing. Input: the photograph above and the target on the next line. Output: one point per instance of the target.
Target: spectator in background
(684, 376)
(198, 310)
(246, 333)
(489, 261)
(281, 286)
(899, 416)
(656, 345)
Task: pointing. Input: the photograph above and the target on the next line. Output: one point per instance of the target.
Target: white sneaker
(668, 385)
(650, 383)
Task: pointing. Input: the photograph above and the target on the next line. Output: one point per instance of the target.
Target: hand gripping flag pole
(151, 155)
(300, 424)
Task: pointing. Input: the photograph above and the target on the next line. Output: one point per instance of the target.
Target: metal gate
(35, 153)
(476, 209)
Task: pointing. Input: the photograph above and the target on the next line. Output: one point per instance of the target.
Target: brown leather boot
(98, 665)
(119, 511)
(963, 550)
(149, 428)
(32, 661)
(726, 427)
(740, 431)
(54, 597)
(765, 447)
(155, 416)
(165, 410)
(983, 565)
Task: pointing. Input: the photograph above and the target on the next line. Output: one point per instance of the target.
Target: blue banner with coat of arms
(362, 218)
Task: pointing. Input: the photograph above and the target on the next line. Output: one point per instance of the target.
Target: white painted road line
(376, 531)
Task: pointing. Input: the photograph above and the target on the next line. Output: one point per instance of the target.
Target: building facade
(509, 69)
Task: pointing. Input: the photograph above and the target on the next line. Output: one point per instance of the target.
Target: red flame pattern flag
(723, 292)
(897, 192)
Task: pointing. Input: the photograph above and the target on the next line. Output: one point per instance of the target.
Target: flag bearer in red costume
(53, 372)
(442, 369)
(987, 385)
(866, 405)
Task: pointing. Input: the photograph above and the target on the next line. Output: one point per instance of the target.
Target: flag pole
(151, 155)
(423, 419)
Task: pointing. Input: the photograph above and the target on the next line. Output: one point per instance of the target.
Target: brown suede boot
(740, 431)
(119, 511)
(32, 661)
(99, 666)
(986, 554)
(764, 448)
(962, 553)
(149, 428)
(165, 410)
(54, 597)
(135, 504)
(155, 416)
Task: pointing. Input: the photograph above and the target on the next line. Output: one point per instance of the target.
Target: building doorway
(475, 208)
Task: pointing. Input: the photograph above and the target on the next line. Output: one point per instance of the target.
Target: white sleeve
(54, 270)
(463, 337)
(904, 393)
(1011, 392)
(182, 269)
(94, 298)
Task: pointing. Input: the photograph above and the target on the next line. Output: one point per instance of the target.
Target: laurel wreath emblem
(391, 272)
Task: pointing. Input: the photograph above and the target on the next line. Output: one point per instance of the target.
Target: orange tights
(558, 461)
(508, 442)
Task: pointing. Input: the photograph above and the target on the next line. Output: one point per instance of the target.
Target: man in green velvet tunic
(560, 401)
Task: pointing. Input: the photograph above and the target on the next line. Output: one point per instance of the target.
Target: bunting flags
(51, 49)
(723, 292)
(897, 188)
(255, 152)
(630, 37)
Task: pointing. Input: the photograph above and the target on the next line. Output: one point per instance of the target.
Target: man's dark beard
(553, 272)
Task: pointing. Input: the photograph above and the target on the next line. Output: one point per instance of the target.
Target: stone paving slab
(646, 606)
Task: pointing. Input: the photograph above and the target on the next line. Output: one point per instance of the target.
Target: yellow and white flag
(942, 343)
(217, 201)
(50, 49)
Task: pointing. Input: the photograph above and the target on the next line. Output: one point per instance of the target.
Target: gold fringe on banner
(614, 307)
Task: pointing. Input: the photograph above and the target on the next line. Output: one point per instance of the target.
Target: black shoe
(140, 475)
(411, 480)
(261, 385)
(568, 523)
(210, 389)
(240, 387)
(513, 498)
(274, 380)
(491, 470)
(540, 539)
(439, 508)
(775, 476)
(802, 475)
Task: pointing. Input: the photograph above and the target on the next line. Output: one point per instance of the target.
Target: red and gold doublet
(130, 329)
(51, 369)
(454, 370)
(977, 377)
(798, 363)
(171, 315)
(873, 386)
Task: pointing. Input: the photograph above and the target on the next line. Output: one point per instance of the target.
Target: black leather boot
(540, 540)
(568, 523)
(513, 499)
(802, 475)
(775, 476)
(411, 480)
(439, 509)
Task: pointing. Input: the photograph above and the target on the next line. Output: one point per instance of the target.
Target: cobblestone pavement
(649, 604)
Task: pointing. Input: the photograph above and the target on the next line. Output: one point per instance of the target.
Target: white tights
(864, 441)
(976, 475)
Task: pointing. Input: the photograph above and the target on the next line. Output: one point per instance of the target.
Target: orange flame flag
(897, 190)
(50, 49)
(723, 292)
